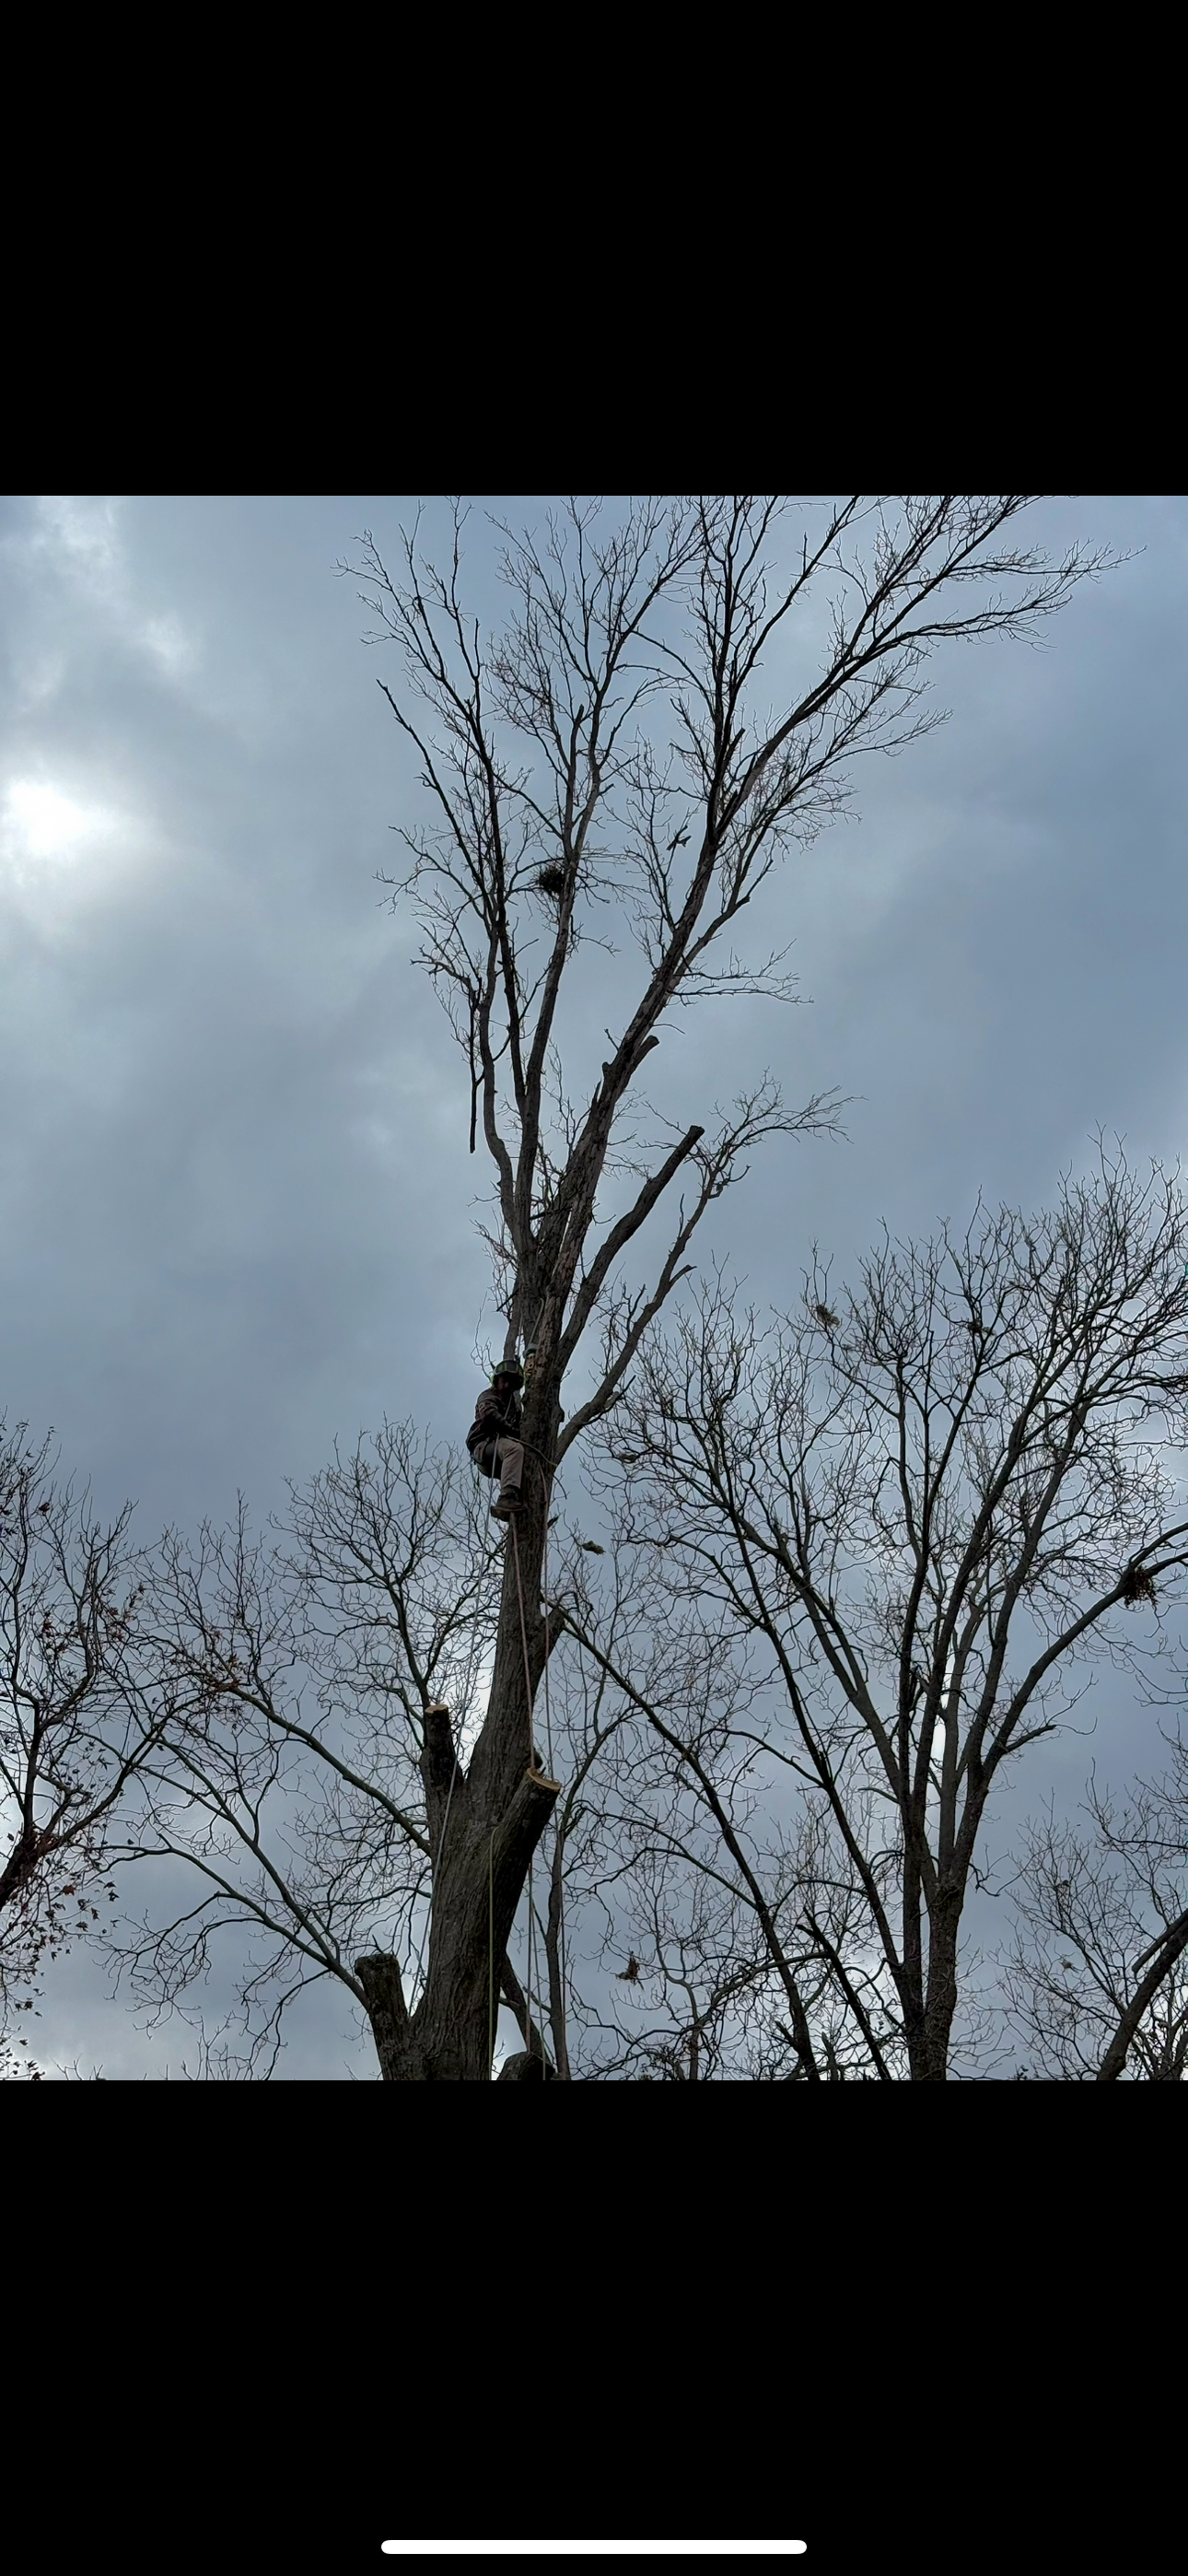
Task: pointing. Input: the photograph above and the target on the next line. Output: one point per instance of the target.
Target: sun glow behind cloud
(57, 849)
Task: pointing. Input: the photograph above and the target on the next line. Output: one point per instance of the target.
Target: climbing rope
(491, 1949)
(523, 1639)
(532, 1969)
(544, 1585)
(533, 1973)
(435, 1871)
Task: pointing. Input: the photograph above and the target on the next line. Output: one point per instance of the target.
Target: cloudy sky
(236, 1208)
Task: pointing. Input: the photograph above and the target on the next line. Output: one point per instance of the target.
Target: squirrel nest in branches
(1137, 1585)
(551, 881)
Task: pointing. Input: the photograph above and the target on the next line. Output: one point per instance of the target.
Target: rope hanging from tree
(532, 1766)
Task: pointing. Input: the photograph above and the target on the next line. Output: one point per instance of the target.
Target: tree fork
(475, 1899)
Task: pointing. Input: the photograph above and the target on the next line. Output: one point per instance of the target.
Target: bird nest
(1137, 1585)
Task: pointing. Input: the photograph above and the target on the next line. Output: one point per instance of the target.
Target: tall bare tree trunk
(484, 1824)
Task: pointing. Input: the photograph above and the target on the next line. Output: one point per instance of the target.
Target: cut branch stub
(383, 1994)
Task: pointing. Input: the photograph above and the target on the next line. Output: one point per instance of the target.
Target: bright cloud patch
(57, 849)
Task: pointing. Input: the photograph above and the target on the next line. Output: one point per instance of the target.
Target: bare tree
(613, 757)
(75, 1723)
(318, 1676)
(918, 1507)
(309, 1670)
(1095, 1979)
(351, 1744)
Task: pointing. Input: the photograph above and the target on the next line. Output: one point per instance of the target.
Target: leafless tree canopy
(673, 702)
(75, 1722)
(675, 699)
(613, 764)
(887, 1528)
(1094, 1979)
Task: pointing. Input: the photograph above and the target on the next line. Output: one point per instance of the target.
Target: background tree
(308, 1671)
(75, 1722)
(1095, 1979)
(889, 1529)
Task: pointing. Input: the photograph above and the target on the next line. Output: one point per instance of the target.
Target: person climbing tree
(493, 1438)
(662, 716)
(614, 742)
